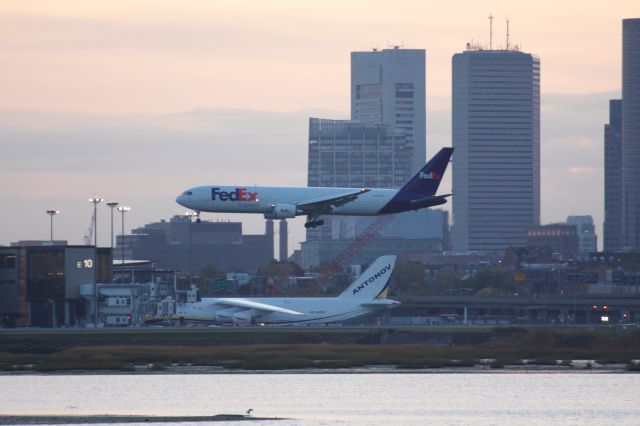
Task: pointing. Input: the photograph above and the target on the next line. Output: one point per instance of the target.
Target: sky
(134, 101)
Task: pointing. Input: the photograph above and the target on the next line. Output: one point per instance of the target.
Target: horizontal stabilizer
(433, 200)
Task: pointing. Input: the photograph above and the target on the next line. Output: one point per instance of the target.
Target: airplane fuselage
(262, 199)
(316, 310)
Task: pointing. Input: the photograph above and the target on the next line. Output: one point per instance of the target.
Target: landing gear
(198, 217)
(314, 223)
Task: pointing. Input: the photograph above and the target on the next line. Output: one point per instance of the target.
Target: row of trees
(409, 278)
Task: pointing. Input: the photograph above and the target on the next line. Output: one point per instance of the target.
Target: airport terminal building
(40, 282)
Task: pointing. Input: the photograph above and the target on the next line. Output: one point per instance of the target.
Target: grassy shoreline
(278, 350)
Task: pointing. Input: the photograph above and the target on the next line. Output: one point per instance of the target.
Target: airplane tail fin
(374, 282)
(425, 183)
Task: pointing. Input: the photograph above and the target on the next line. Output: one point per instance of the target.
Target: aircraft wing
(245, 303)
(326, 204)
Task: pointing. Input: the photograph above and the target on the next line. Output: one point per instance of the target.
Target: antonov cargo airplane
(288, 202)
(366, 294)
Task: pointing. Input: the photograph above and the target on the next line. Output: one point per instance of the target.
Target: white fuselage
(261, 199)
(316, 310)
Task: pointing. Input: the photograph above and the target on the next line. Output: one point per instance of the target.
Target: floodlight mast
(52, 213)
(123, 210)
(95, 201)
(111, 205)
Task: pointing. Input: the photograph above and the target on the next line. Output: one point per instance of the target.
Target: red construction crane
(334, 268)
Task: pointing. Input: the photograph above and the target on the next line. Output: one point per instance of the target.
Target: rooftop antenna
(507, 33)
(490, 32)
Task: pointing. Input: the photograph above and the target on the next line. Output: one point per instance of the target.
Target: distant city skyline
(133, 102)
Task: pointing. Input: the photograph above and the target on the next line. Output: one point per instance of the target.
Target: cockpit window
(187, 193)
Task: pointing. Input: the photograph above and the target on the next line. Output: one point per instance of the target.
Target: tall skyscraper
(351, 154)
(613, 236)
(496, 135)
(631, 132)
(388, 87)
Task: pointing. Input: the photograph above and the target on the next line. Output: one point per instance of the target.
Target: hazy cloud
(58, 160)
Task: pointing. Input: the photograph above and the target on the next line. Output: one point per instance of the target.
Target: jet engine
(224, 316)
(281, 211)
(243, 317)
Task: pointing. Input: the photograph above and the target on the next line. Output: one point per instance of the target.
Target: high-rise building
(496, 135)
(388, 87)
(613, 237)
(631, 132)
(587, 239)
(350, 154)
(353, 154)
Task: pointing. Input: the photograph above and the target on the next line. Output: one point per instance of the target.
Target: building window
(45, 275)
(7, 261)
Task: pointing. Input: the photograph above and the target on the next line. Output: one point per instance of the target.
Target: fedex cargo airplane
(288, 202)
(366, 294)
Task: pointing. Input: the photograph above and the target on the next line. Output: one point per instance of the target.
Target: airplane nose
(185, 199)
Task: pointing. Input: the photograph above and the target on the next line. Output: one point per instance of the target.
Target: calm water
(347, 399)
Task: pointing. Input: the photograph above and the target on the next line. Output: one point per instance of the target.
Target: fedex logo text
(240, 194)
(430, 175)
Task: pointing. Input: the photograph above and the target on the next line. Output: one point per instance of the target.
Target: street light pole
(111, 205)
(123, 210)
(51, 213)
(95, 201)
